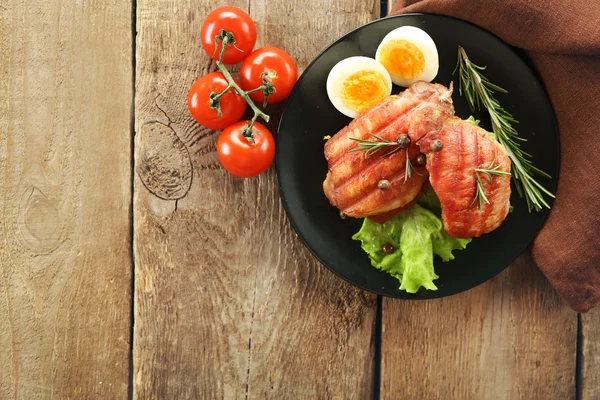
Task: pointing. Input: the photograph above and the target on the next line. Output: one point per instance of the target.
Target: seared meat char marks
(454, 149)
(352, 181)
(453, 176)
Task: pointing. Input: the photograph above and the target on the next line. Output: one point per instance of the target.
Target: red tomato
(233, 20)
(242, 158)
(279, 66)
(232, 104)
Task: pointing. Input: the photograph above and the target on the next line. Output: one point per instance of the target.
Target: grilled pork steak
(467, 148)
(457, 152)
(354, 181)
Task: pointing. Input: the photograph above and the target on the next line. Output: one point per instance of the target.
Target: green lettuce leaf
(443, 244)
(416, 235)
(476, 122)
(472, 120)
(430, 201)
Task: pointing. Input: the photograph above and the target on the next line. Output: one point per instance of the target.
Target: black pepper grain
(384, 184)
(387, 248)
(436, 145)
(403, 141)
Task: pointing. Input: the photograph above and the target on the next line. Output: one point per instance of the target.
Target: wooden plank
(228, 303)
(65, 190)
(589, 356)
(509, 338)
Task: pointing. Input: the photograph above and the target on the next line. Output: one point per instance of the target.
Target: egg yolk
(402, 58)
(364, 89)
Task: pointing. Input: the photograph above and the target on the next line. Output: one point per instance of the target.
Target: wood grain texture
(510, 338)
(65, 193)
(589, 374)
(228, 303)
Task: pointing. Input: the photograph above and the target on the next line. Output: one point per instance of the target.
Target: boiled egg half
(357, 83)
(409, 54)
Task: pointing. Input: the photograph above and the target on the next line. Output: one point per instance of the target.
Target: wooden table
(132, 264)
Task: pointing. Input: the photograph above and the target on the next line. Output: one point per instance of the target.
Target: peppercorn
(387, 248)
(436, 145)
(421, 159)
(384, 184)
(403, 141)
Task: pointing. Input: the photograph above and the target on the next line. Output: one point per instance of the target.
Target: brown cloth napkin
(562, 38)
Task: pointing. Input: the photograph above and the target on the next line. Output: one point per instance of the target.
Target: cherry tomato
(242, 158)
(233, 20)
(232, 104)
(280, 68)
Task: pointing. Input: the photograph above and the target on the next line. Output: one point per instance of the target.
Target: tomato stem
(247, 132)
(267, 87)
(257, 89)
(214, 99)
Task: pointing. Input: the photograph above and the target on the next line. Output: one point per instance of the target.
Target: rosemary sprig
(373, 146)
(490, 171)
(480, 196)
(408, 170)
(479, 93)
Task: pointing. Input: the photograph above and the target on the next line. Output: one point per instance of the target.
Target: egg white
(342, 71)
(424, 42)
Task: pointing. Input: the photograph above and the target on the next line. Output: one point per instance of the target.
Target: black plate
(308, 116)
